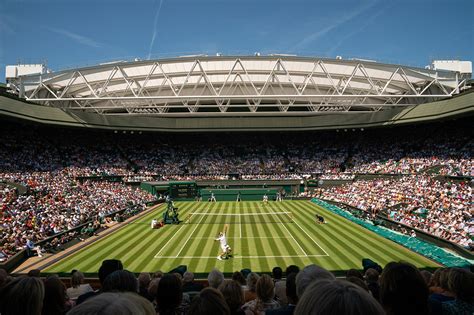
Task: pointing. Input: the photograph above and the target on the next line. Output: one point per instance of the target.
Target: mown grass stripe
(346, 242)
(345, 233)
(384, 248)
(77, 260)
(118, 249)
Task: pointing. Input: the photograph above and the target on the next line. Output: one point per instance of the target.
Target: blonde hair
(233, 294)
(337, 297)
(265, 288)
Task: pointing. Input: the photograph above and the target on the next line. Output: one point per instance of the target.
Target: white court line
(283, 256)
(294, 239)
(189, 237)
(174, 235)
(310, 237)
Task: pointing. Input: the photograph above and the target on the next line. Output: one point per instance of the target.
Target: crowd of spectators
(443, 209)
(442, 149)
(397, 289)
(57, 203)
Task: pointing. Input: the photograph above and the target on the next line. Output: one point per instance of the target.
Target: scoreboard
(184, 190)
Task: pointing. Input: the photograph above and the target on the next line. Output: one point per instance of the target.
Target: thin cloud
(152, 42)
(76, 37)
(367, 22)
(347, 18)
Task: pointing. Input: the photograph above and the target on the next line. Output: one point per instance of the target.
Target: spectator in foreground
(114, 303)
(328, 297)
(22, 295)
(121, 281)
(309, 274)
(291, 296)
(144, 280)
(239, 277)
(265, 294)
(215, 278)
(169, 295)
(277, 274)
(372, 281)
(403, 290)
(78, 287)
(188, 283)
(250, 293)
(461, 283)
(209, 301)
(56, 301)
(4, 277)
(233, 295)
(108, 266)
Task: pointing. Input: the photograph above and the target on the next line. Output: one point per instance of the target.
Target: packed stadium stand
(397, 143)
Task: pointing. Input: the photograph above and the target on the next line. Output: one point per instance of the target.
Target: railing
(425, 244)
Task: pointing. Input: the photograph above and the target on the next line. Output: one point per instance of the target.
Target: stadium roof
(226, 85)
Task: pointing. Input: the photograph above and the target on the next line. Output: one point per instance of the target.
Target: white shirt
(222, 239)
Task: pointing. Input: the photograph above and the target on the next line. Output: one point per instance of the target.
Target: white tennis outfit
(223, 240)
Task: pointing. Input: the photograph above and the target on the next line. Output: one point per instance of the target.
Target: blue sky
(69, 33)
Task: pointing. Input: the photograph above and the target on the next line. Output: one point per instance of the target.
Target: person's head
(252, 279)
(4, 278)
(427, 276)
(277, 273)
(309, 274)
(144, 280)
(77, 279)
(233, 294)
(443, 279)
(188, 277)
(22, 295)
(153, 286)
(435, 279)
(209, 301)
(54, 295)
(337, 297)
(157, 274)
(354, 273)
(114, 303)
(461, 283)
(372, 275)
(291, 288)
(265, 288)
(108, 266)
(34, 273)
(292, 269)
(169, 293)
(121, 281)
(403, 282)
(358, 282)
(239, 277)
(215, 278)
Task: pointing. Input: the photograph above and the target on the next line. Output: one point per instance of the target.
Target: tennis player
(225, 248)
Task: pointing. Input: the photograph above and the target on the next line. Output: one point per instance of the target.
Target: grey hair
(252, 279)
(309, 274)
(215, 278)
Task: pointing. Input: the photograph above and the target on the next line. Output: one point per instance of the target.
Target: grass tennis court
(261, 239)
